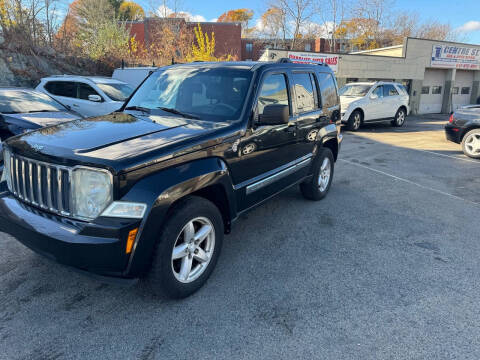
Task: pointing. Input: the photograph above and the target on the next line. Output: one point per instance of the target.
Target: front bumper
(453, 133)
(98, 247)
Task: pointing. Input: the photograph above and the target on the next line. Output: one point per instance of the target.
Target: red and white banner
(314, 58)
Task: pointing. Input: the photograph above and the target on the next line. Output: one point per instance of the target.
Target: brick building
(227, 35)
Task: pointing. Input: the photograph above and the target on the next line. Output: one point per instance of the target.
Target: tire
(471, 144)
(400, 118)
(355, 120)
(318, 186)
(172, 278)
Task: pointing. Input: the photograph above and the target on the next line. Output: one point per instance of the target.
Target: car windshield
(213, 94)
(354, 90)
(21, 101)
(116, 92)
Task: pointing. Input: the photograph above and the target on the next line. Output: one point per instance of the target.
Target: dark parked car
(24, 110)
(463, 127)
(151, 190)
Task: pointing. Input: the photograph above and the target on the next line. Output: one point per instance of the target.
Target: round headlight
(92, 192)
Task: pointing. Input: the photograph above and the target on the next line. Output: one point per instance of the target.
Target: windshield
(116, 92)
(19, 101)
(215, 94)
(354, 90)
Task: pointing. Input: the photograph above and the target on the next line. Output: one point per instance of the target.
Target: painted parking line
(410, 182)
(450, 156)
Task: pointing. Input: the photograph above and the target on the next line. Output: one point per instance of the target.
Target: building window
(352, 80)
(308, 47)
(436, 90)
(249, 47)
(455, 90)
(425, 90)
(465, 90)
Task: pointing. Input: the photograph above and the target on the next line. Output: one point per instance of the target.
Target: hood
(345, 101)
(110, 139)
(39, 119)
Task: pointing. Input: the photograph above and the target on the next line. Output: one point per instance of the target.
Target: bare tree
(298, 12)
(332, 13)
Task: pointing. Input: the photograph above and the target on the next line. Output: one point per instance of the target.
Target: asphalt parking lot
(386, 267)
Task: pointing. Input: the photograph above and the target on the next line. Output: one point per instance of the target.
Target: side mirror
(95, 98)
(374, 96)
(275, 114)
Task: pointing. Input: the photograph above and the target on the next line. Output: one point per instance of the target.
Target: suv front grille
(47, 186)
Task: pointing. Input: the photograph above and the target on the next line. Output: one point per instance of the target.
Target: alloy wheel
(400, 118)
(357, 119)
(193, 250)
(472, 144)
(324, 175)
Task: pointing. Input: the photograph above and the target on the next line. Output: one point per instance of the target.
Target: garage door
(462, 88)
(433, 87)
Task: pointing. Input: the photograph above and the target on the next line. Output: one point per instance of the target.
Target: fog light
(131, 240)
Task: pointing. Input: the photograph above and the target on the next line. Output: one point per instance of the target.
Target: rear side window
(273, 91)
(304, 92)
(328, 89)
(84, 90)
(62, 88)
(389, 90)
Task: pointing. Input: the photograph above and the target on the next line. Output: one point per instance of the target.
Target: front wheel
(317, 187)
(355, 121)
(471, 144)
(187, 249)
(400, 118)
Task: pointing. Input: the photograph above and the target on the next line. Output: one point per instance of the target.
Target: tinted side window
(62, 88)
(327, 89)
(378, 91)
(273, 91)
(389, 90)
(304, 93)
(84, 90)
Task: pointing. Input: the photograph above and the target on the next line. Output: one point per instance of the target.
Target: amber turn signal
(130, 240)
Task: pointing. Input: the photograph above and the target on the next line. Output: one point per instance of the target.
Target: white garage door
(433, 88)
(462, 89)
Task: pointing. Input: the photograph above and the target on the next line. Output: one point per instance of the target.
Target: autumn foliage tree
(130, 10)
(242, 16)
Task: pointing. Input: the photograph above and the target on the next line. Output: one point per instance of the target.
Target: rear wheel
(471, 144)
(400, 118)
(355, 120)
(317, 187)
(187, 249)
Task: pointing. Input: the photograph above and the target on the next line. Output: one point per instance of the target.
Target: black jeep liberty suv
(149, 191)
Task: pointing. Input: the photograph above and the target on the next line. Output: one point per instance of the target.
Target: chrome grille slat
(24, 186)
(59, 190)
(41, 184)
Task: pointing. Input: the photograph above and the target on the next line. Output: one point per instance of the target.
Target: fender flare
(164, 189)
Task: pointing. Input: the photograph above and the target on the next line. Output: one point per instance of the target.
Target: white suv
(87, 95)
(364, 102)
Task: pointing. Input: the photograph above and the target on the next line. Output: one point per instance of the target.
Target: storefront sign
(314, 58)
(455, 57)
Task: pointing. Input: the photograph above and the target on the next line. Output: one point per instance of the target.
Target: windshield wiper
(138, 108)
(178, 112)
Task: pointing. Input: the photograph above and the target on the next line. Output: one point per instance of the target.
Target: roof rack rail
(284, 60)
